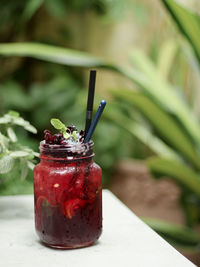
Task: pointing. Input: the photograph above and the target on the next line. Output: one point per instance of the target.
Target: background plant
(14, 157)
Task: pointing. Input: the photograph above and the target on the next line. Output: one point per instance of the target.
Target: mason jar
(67, 195)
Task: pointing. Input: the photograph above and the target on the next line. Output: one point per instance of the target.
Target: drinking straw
(95, 121)
(90, 100)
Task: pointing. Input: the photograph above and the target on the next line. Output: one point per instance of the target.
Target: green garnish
(74, 135)
(66, 135)
(57, 124)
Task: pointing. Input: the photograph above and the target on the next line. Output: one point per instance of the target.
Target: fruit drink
(67, 192)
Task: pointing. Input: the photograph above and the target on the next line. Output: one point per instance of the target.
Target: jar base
(87, 244)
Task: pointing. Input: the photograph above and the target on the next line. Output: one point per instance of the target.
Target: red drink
(68, 195)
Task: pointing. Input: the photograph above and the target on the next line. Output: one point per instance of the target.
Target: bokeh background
(147, 56)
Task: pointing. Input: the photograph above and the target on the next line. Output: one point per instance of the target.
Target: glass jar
(68, 196)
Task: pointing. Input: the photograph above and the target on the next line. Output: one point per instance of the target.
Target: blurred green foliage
(20, 186)
(20, 18)
(15, 158)
(39, 91)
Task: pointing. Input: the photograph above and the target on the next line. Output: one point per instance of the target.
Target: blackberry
(48, 137)
(71, 128)
(82, 132)
(46, 131)
(82, 135)
(57, 138)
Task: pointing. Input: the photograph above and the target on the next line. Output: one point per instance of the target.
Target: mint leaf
(57, 124)
(4, 140)
(19, 154)
(12, 135)
(30, 128)
(19, 121)
(5, 120)
(74, 136)
(6, 164)
(23, 123)
(24, 170)
(30, 165)
(36, 154)
(9, 156)
(66, 135)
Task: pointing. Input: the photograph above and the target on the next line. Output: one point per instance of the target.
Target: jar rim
(67, 152)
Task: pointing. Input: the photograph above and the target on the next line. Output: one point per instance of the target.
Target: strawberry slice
(72, 205)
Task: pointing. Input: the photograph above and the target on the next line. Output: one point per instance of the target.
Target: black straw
(90, 100)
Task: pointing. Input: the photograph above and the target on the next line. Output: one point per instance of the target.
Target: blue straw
(95, 121)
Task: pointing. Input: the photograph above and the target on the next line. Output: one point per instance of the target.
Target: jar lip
(76, 150)
(90, 144)
(66, 159)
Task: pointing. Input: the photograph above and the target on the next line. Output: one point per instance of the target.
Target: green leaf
(4, 140)
(141, 133)
(30, 165)
(12, 135)
(180, 172)
(24, 170)
(166, 57)
(162, 122)
(51, 53)
(188, 23)
(25, 124)
(19, 154)
(66, 135)
(74, 136)
(30, 128)
(30, 8)
(178, 234)
(19, 121)
(6, 164)
(36, 154)
(5, 120)
(57, 124)
(13, 113)
(160, 91)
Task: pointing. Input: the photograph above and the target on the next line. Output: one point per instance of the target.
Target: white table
(126, 240)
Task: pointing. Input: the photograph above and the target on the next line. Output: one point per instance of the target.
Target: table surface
(126, 240)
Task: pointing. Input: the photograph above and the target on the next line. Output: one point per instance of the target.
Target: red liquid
(68, 202)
